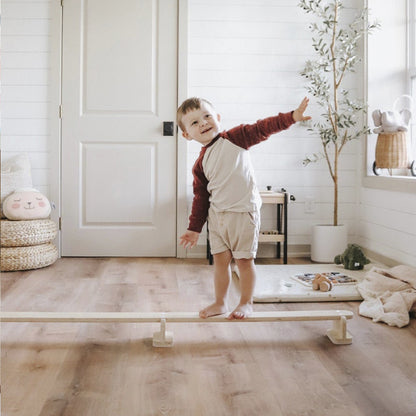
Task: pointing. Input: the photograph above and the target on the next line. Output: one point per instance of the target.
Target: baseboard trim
(379, 258)
(293, 250)
(265, 251)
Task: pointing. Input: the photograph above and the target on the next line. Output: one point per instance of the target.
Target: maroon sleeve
(200, 203)
(247, 135)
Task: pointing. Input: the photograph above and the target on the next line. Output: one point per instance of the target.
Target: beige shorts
(235, 231)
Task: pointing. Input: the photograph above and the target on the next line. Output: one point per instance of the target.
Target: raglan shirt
(223, 174)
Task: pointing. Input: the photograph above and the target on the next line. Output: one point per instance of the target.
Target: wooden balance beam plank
(338, 334)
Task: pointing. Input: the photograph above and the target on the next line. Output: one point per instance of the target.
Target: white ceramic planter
(327, 242)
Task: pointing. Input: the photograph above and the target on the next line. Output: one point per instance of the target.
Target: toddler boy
(225, 194)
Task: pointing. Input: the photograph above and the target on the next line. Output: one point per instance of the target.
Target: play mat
(283, 283)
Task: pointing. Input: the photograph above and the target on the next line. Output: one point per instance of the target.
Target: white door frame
(182, 144)
(55, 146)
(54, 178)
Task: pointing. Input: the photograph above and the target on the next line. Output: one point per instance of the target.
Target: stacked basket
(27, 244)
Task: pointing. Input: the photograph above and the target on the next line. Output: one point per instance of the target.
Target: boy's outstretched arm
(298, 113)
(189, 239)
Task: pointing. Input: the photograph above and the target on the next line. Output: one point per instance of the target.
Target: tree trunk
(335, 178)
(336, 200)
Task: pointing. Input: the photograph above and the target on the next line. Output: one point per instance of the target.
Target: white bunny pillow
(391, 121)
(396, 120)
(26, 204)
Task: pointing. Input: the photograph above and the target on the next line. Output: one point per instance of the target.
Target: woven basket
(27, 258)
(391, 150)
(27, 233)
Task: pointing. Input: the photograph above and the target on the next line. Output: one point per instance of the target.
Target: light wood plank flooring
(237, 369)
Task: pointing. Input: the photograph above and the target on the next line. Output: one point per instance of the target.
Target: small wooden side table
(279, 235)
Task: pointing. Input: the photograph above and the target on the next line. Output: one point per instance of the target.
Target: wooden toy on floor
(322, 283)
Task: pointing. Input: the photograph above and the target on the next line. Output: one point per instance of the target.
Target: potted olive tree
(335, 42)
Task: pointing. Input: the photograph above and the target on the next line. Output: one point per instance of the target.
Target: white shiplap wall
(387, 224)
(26, 85)
(245, 57)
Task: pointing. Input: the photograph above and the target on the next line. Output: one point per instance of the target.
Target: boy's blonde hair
(193, 103)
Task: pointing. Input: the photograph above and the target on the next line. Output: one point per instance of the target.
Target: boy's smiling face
(202, 124)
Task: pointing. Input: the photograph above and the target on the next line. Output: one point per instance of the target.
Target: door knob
(168, 128)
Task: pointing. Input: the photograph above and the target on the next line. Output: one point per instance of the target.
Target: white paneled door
(119, 86)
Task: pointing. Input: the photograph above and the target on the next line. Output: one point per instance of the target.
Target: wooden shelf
(271, 238)
(269, 197)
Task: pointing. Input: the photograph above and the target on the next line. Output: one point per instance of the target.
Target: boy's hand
(298, 113)
(189, 239)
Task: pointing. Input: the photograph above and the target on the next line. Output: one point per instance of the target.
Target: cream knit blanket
(389, 294)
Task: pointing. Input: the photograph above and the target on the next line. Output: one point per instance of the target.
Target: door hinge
(62, 3)
(60, 224)
(60, 111)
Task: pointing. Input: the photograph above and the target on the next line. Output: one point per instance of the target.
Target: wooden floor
(254, 369)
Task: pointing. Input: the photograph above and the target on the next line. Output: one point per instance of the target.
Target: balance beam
(337, 334)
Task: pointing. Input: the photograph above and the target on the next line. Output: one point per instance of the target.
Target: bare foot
(241, 311)
(212, 310)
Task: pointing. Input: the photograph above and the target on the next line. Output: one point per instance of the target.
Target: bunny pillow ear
(377, 117)
(376, 114)
(406, 115)
(404, 102)
(26, 205)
